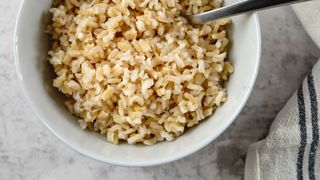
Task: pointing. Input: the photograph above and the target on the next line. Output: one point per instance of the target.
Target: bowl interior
(35, 75)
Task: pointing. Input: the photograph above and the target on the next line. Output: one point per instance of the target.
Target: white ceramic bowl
(35, 76)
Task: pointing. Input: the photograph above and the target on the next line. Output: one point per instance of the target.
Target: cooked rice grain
(135, 70)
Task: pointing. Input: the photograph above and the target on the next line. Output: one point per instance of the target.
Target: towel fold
(291, 149)
(309, 15)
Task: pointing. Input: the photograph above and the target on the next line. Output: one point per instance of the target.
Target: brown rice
(135, 70)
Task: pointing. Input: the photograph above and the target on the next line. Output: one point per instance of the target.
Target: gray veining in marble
(29, 151)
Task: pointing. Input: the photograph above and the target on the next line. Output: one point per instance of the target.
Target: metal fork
(238, 8)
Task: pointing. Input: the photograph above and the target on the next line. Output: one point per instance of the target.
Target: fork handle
(239, 8)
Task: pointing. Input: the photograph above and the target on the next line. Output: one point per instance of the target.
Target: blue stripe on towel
(303, 133)
(315, 127)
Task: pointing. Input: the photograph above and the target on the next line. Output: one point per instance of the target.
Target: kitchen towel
(291, 149)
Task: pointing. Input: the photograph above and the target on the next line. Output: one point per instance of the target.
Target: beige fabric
(309, 15)
(277, 156)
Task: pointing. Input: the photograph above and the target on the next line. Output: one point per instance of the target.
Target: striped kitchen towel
(291, 150)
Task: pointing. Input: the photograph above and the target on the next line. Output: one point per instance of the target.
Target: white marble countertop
(29, 151)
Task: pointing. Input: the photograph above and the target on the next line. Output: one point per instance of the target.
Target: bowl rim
(86, 153)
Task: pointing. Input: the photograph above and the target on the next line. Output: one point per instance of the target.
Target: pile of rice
(135, 70)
